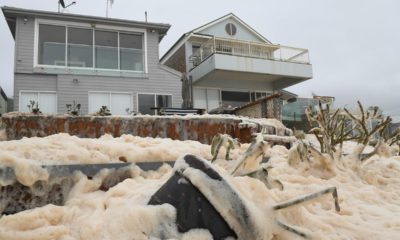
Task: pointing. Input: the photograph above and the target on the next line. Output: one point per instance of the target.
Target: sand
(369, 193)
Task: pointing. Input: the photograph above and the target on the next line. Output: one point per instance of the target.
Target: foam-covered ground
(369, 193)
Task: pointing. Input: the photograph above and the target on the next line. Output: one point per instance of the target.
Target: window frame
(94, 51)
(232, 30)
(255, 95)
(36, 47)
(155, 99)
(110, 93)
(93, 27)
(38, 92)
(93, 47)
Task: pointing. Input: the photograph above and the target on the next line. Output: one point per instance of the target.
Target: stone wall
(267, 107)
(201, 128)
(253, 111)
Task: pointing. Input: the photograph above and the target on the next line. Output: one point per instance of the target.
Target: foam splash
(369, 193)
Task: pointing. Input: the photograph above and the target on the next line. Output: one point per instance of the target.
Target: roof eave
(2, 93)
(161, 27)
(174, 48)
(10, 26)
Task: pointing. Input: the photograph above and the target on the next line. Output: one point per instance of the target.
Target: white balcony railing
(249, 49)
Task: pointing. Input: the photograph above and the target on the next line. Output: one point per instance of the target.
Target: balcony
(224, 60)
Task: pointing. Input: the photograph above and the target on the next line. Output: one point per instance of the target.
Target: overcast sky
(354, 44)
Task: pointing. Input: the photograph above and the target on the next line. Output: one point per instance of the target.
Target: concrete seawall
(196, 128)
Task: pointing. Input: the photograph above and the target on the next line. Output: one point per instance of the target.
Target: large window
(45, 101)
(234, 99)
(148, 101)
(90, 48)
(210, 99)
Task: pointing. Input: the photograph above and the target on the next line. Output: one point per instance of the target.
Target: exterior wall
(242, 33)
(32, 82)
(24, 45)
(161, 83)
(159, 79)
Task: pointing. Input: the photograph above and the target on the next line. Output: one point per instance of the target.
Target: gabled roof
(11, 12)
(233, 16)
(197, 31)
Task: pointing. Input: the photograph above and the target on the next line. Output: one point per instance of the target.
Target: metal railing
(249, 49)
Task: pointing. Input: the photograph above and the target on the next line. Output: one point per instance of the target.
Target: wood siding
(159, 79)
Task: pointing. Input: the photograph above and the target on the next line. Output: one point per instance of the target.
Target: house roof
(10, 13)
(3, 94)
(197, 31)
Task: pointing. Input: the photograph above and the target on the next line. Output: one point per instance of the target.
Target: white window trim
(38, 92)
(155, 98)
(67, 24)
(109, 98)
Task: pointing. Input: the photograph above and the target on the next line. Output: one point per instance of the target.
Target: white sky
(354, 44)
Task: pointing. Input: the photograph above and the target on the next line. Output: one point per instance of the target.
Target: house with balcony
(61, 58)
(228, 63)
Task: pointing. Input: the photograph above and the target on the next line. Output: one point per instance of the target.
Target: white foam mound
(66, 149)
(369, 193)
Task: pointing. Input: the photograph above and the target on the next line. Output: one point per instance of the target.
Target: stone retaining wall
(201, 129)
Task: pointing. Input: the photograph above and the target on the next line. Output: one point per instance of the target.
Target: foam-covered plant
(365, 133)
(103, 111)
(74, 108)
(34, 107)
(332, 128)
(131, 112)
(329, 127)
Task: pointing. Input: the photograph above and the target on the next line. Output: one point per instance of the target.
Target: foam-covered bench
(179, 111)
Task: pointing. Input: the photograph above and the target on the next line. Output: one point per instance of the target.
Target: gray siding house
(228, 63)
(94, 61)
